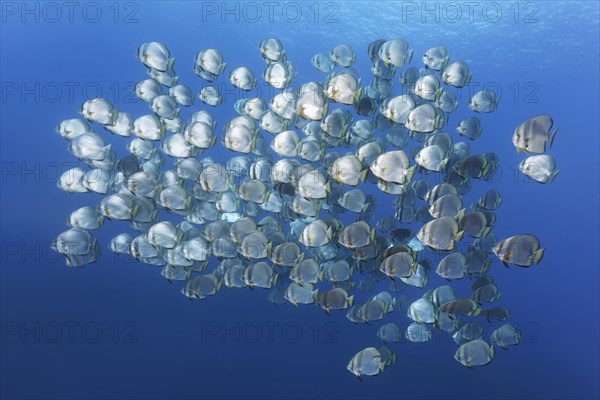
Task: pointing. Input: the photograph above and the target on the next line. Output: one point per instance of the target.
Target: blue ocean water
(117, 329)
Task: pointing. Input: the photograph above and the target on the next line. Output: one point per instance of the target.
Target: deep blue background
(551, 57)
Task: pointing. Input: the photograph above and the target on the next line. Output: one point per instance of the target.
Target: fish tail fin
(253, 142)
(107, 147)
(222, 67)
(486, 169)
(459, 236)
(170, 63)
(351, 300)
(538, 255)
(438, 93)
(135, 210)
(363, 174)
(95, 247)
(486, 231)
(319, 208)
(486, 265)
(550, 137)
(366, 206)
(469, 77)
(553, 175)
(357, 95)
(444, 164)
(269, 248)
(410, 173)
(498, 296)
(114, 115)
(296, 123)
(329, 232)
(477, 312)
(492, 351)
(461, 215)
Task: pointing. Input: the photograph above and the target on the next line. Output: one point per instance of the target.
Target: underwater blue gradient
(169, 347)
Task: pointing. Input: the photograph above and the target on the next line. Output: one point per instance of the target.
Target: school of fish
(291, 208)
